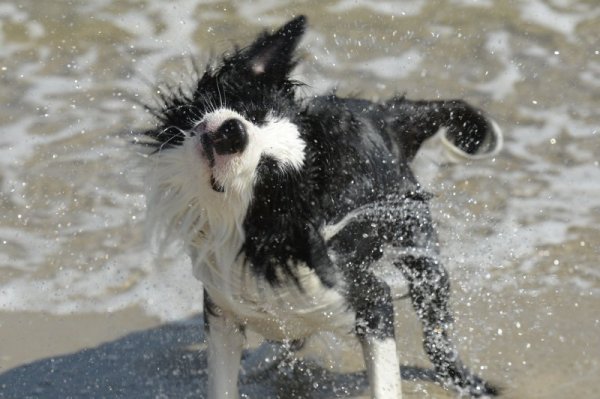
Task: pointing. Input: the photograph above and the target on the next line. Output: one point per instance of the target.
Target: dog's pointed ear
(272, 55)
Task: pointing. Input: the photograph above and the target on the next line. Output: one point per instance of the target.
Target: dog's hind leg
(375, 330)
(371, 299)
(382, 364)
(429, 290)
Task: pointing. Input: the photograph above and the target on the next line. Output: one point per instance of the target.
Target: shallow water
(521, 232)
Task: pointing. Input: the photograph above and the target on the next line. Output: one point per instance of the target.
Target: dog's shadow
(169, 362)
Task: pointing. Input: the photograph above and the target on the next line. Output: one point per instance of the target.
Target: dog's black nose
(231, 137)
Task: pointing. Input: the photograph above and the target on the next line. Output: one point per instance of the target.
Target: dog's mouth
(215, 185)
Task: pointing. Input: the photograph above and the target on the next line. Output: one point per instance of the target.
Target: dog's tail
(466, 132)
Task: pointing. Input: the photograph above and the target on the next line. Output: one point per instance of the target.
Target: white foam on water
(168, 292)
(406, 7)
(31, 249)
(398, 66)
(258, 11)
(540, 12)
(12, 13)
(502, 85)
(474, 3)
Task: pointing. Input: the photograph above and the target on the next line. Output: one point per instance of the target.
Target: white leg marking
(383, 367)
(225, 343)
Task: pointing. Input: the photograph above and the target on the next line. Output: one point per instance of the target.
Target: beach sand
(544, 351)
(29, 336)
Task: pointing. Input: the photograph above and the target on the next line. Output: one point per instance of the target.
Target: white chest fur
(288, 310)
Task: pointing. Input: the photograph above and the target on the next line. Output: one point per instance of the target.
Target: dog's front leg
(383, 368)
(225, 341)
(371, 299)
(375, 328)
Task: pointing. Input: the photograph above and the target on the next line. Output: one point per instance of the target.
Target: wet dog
(286, 205)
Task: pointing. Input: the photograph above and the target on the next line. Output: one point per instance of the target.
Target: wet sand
(29, 336)
(533, 347)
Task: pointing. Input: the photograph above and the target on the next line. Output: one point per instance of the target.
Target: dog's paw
(479, 388)
(467, 384)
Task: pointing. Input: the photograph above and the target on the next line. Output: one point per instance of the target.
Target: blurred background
(521, 232)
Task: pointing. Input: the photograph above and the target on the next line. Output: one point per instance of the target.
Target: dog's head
(213, 146)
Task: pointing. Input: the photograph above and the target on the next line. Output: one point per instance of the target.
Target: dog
(285, 206)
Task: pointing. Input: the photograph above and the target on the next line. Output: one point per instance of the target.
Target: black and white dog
(286, 205)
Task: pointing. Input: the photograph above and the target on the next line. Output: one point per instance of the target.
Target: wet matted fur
(284, 204)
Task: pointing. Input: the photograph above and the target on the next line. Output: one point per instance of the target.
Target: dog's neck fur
(193, 214)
